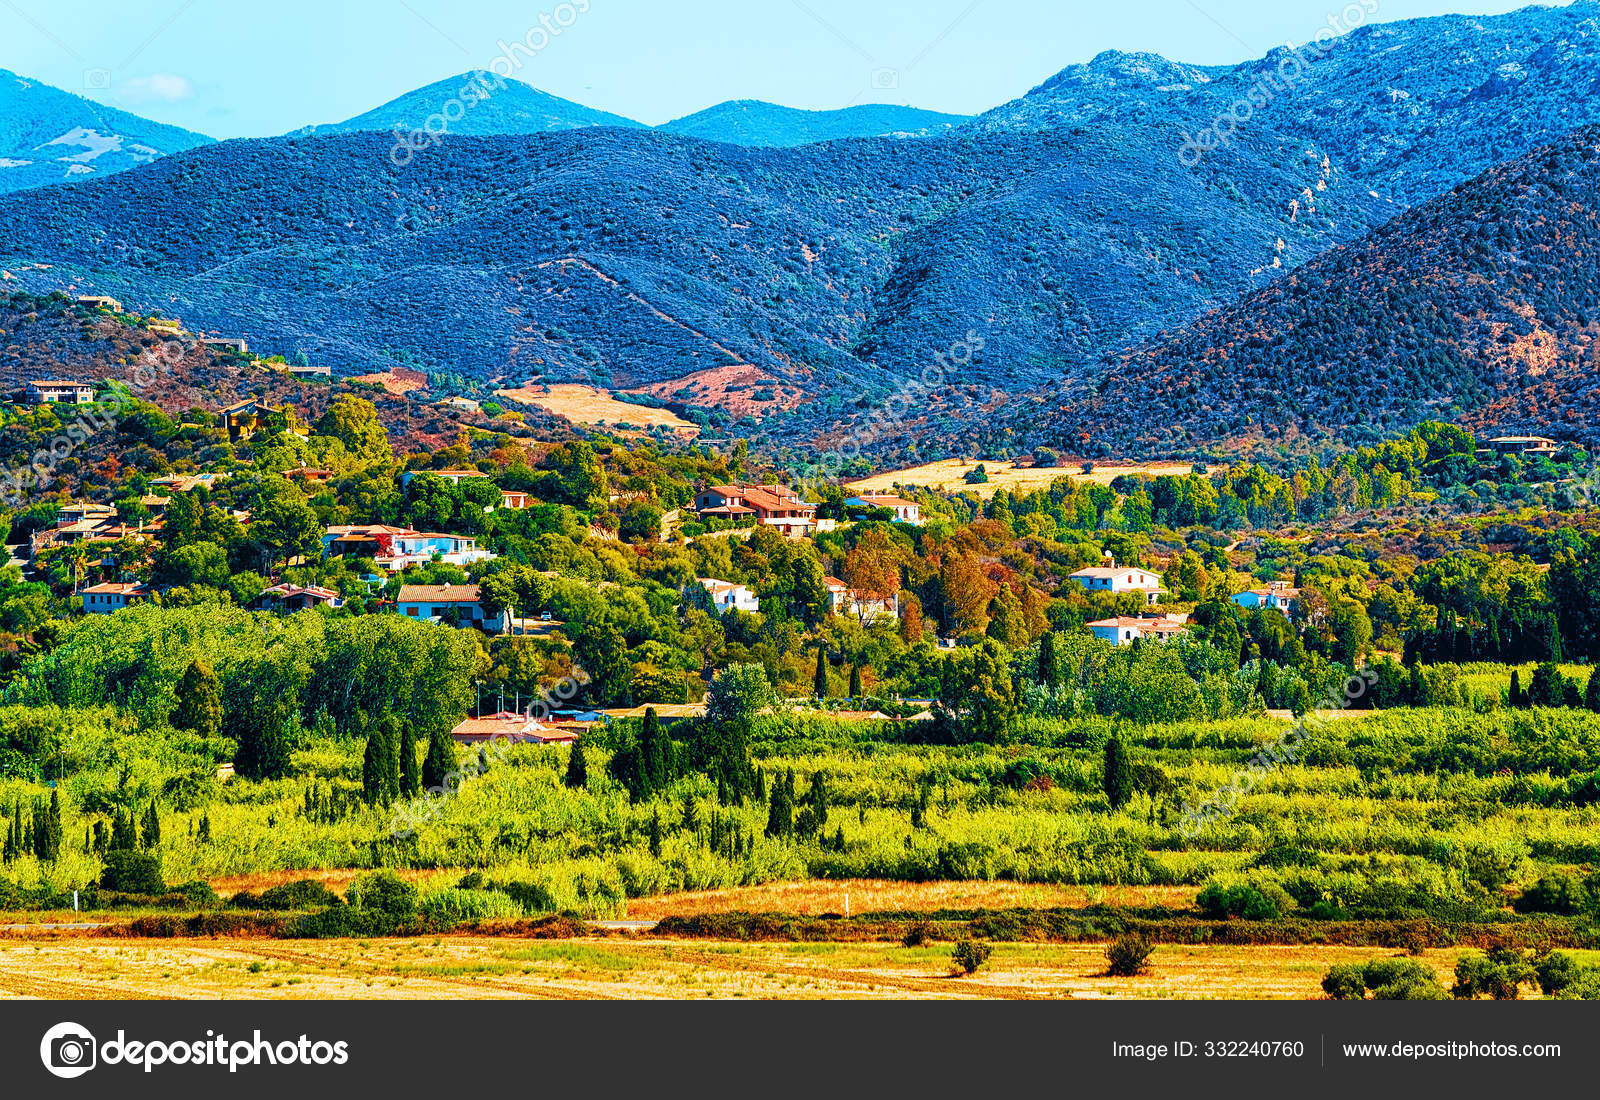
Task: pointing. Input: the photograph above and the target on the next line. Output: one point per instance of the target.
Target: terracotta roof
(119, 588)
(1107, 573)
(885, 500)
(1148, 626)
(438, 593)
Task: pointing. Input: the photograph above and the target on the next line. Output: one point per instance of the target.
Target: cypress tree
(1118, 774)
(653, 750)
(441, 759)
(1591, 696)
(123, 837)
(780, 813)
(410, 782)
(691, 814)
(199, 701)
(1553, 642)
(391, 762)
(855, 682)
(151, 826)
(203, 834)
(47, 827)
(375, 766)
(1049, 667)
(655, 834)
(761, 784)
(819, 683)
(264, 748)
(577, 767)
(1515, 697)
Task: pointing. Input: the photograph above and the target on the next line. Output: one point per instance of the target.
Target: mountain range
(1122, 221)
(50, 136)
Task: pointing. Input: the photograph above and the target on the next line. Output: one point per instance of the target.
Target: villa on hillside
(1278, 595)
(727, 596)
(394, 548)
(100, 301)
(775, 506)
(43, 392)
(844, 600)
(454, 604)
(510, 726)
(113, 596)
(1521, 446)
(292, 597)
(905, 511)
(1125, 629)
(1109, 578)
(454, 477)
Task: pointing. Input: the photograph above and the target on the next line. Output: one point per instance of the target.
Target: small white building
(1124, 630)
(845, 600)
(461, 603)
(1109, 578)
(905, 511)
(1278, 596)
(727, 596)
(109, 598)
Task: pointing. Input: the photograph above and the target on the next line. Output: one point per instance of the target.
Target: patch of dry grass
(948, 475)
(816, 896)
(593, 408)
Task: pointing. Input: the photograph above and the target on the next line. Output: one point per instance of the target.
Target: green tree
(410, 781)
(1118, 774)
(819, 680)
(199, 700)
(151, 829)
(577, 767)
(1049, 661)
(780, 811)
(354, 422)
(441, 759)
(653, 751)
(375, 765)
(1549, 687)
(856, 691)
(1591, 695)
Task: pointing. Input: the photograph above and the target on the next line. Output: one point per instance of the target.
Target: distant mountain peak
(754, 122)
(51, 136)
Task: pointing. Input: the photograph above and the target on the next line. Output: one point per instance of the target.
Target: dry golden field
(947, 475)
(593, 408)
(639, 967)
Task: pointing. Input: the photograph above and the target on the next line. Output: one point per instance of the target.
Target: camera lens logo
(67, 1050)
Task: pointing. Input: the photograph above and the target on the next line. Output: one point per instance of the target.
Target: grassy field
(93, 968)
(949, 473)
(594, 408)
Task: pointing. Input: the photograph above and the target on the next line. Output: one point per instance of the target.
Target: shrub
(306, 893)
(1128, 954)
(1499, 974)
(383, 892)
(1557, 892)
(969, 955)
(1558, 971)
(1251, 903)
(917, 933)
(132, 873)
(1388, 980)
(198, 892)
(442, 908)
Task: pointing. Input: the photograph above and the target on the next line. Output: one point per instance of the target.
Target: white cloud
(160, 88)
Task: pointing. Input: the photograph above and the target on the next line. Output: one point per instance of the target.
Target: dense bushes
(1386, 979)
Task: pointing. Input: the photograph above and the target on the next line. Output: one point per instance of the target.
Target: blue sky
(233, 69)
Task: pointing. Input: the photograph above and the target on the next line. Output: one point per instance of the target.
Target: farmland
(949, 476)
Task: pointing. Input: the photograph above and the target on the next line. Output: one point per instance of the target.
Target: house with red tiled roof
(292, 597)
(1278, 594)
(775, 506)
(510, 726)
(1125, 629)
(1111, 578)
(852, 601)
(113, 596)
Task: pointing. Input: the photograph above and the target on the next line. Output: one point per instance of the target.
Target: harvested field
(639, 968)
(874, 896)
(947, 476)
(594, 408)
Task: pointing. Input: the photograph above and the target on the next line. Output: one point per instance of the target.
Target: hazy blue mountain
(475, 103)
(51, 136)
(1409, 108)
(752, 122)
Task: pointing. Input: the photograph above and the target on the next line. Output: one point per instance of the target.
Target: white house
(1125, 629)
(727, 596)
(109, 598)
(851, 601)
(905, 511)
(1109, 578)
(1277, 595)
(460, 602)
